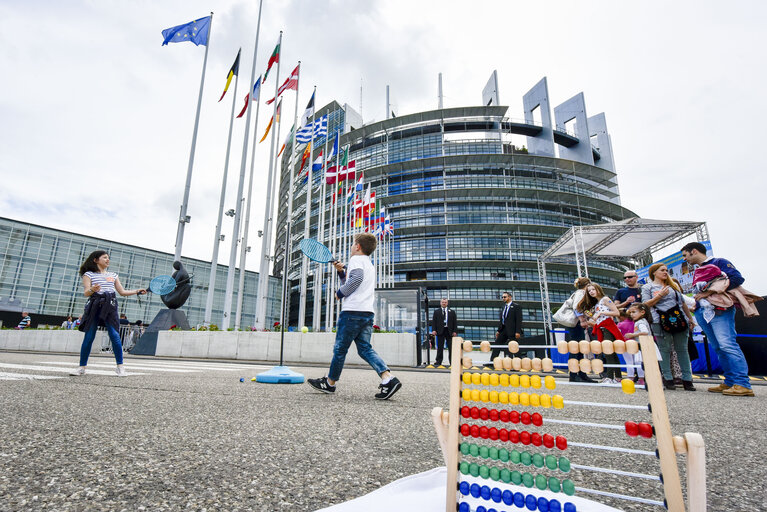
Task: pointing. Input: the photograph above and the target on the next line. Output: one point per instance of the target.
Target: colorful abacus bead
(585, 365)
(507, 363)
(562, 347)
(466, 362)
(550, 382)
(597, 365)
(467, 346)
(619, 346)
(596, 347)
(584, 347)
(536, 363)
(632, 347)
(513, 347)
(547, 365)
(498, 363)
(573, 365)
(607, 347)
(627, 385)
(573, 346)
(484, 346)
(516, 364)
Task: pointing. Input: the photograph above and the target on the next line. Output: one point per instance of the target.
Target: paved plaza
(187, 435)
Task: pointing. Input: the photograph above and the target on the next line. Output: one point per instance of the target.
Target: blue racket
(315, 251)
(162, 285)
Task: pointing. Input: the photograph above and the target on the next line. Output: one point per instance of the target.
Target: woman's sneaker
(321, 384)
(78, 373)
(120, 371)
(388, 389)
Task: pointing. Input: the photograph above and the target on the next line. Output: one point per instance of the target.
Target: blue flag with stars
(195, 31)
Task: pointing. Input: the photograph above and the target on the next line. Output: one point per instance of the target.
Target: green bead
(495, 474)
(484, 471)
(465, 448)
(564, 464)
(526, 458)
(538, 460)
(516, 477)
(483, 452)
(464, 468)
(473, 469)
(474, 450)
(554, 484)
(506, 475)
(503, 454)
(541, 482)
(493, 452)
(514, 456)
(568, 487)
(527, 479)
(551, 462)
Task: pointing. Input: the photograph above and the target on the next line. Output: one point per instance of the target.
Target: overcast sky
(96, 116)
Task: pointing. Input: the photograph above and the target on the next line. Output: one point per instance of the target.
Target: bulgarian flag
(274, 59)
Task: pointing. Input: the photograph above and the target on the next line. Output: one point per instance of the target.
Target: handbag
(672, 320)
(565, 315)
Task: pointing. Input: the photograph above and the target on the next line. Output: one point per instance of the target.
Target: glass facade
(39, 268)
(471, 211)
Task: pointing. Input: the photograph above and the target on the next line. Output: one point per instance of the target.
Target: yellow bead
(524, 399)
(475, 395)
(535, 381)
(535, 399)
(628, 386)
(475, 379)
(493, 379)
(504, 379)
(484, 395)
(466, 378)
(513, 398)
(514, 380)
(545, 401)
(503, 397)
(485, 379)
(524, 381)
(551, 382)
(494, 397)
(466, 395)
(558, 402)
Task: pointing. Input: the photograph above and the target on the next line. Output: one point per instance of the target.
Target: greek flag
(304, 135)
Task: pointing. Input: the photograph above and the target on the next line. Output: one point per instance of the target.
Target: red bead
(561, 442)
(537, 419)
(632, 428)
(504, 415)
(483, 414)
(548, 440)
(493, 433)
(513, 436)
(514, 417)
(465, 429)
(503, 435)
(524, 437)
(493, 414)
(475, 413)
(645, 430)
(466, 411)
(536, 439)
(475, 431)
(483, 432)
(525, 417)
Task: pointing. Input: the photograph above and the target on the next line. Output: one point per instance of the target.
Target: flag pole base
(280, 375)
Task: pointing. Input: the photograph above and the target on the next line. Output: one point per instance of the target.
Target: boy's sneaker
(78, 373)
(120, 371)
(388, 389)
(322, 384)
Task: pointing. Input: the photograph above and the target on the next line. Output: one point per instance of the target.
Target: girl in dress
(642, 316)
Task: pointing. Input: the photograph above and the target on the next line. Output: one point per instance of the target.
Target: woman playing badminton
(101, 309)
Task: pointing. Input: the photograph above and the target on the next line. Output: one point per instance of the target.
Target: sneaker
(79, 372)
(607, 380)
(321, 384)
(640, 382)
(719, 389)
(388, 389)
(737, 390)
(120, 371)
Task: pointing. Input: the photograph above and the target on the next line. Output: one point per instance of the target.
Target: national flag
(307, 153)
(255, 95)
(275, 58)
(343, 173)
(334, 149)
(388, 226)
(195, 32)
(306, 133)
(290, 135)
(275, 118)
(290, 83)
(331, 175)
(317, 165)
(235, 69)
(309, 112)
(350, 193)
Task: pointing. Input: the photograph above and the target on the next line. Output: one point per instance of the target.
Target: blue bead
(530, 502)
(569, 507)
(496, 494)
(508, 497)
(481, 509)
(464, 488)
(543, 504)
(475, 490)
(492, 510)
(519, 499)
(485, 492)
(555, 506)
(464, 507)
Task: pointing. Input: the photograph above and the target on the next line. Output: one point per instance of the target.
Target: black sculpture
(180, 294)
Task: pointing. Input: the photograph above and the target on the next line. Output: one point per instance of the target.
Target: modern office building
(39, 273)
(472, 209)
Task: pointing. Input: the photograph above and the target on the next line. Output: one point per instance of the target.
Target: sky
(96, 117)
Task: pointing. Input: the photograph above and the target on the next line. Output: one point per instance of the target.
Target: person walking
(509, 328)
(100, 285)
(25, 322)
(720, 329)
(669, 326)
(444, 325)
(355, 323)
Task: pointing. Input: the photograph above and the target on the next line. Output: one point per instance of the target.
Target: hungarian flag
(290, 83)
(277, 120)
(275, 58)
(235, 69)
(255, 95)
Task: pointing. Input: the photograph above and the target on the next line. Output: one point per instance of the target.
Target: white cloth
(444, 313)
(425, 492)
(363, 298)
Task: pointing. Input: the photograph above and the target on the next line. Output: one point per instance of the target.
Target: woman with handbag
(672, 321)
(572, 319)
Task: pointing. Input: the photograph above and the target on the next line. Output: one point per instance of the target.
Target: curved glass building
(471, 207)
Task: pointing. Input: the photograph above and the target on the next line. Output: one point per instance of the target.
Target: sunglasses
(630, 277)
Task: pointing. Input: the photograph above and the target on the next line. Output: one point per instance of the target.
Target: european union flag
(195, 31)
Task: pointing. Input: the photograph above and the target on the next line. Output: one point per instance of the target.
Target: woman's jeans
(114, 337)
(721, 334)
(678, 341)
(354, 326)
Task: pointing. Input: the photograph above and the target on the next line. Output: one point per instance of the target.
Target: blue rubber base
(280, 375)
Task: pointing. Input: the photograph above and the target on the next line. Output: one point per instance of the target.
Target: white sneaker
(79, 372)
(607, 380)
(120, 371)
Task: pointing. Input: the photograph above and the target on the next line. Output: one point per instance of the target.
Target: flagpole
(305, 260)
(183, 218)
(319, 276)
(241, 184)
(217, 239)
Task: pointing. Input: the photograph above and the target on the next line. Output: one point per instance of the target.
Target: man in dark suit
(510, 326)
(444, 325)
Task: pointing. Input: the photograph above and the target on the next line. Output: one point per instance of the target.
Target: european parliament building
(472, 211)
(39, 274)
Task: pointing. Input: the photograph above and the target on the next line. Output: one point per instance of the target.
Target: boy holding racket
(355, 324)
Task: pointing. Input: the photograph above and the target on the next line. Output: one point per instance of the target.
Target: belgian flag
(235, 69)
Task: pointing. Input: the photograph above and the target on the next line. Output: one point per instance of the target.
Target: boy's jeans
(722, 336)
(354, 326)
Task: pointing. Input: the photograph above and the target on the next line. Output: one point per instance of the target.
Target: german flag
(235, 69)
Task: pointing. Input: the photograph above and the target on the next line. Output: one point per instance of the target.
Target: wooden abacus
(524, 490)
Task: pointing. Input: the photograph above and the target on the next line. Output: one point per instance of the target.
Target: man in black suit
(444, 325)
(510, 326)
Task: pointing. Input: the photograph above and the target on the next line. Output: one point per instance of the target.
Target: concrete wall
(396, 349)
